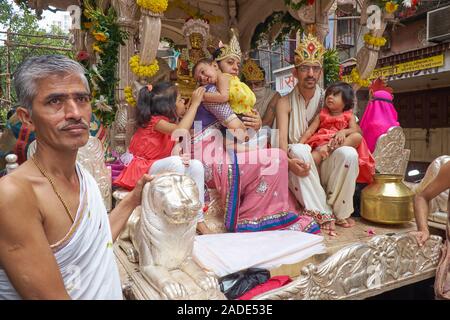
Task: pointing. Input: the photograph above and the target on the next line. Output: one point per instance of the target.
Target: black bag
(236, 284)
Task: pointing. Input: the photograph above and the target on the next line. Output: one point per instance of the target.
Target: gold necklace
(54, 188)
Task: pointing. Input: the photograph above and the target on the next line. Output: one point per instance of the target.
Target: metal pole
(36, 46)
(45, 36)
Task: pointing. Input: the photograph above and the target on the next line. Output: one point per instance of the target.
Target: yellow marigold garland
(100, 36)
(141, 70)
(391, 7)
(156, 6)
(97, 48)
(356, 78)
(374, 41)
(129, 96)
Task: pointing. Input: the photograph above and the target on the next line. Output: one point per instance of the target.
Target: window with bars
(274, 56)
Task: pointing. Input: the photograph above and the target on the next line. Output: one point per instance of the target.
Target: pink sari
(379, 116)
(256, 196)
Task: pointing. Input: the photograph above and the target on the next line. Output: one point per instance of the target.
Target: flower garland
(102, 76)
(142, 70)
(356, 78)
(156, 6)
(391, 7)
(374, 41)
(296, 5)
(287, 22)
(129, 96)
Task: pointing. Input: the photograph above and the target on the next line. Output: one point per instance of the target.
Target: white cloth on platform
(85, 255)
(195, 170)
(226, 253)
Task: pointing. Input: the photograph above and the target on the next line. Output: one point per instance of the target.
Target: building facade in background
(417, 69)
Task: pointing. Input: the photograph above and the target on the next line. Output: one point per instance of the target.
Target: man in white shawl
(56, 239)
(325, 192)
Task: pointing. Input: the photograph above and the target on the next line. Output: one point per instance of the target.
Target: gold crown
(230, 50)
(251, 71)
(309, 50)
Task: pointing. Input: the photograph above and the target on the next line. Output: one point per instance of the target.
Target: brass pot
(387, 200)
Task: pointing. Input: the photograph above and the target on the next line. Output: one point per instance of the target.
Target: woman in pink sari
(253, 185)
(380, 114)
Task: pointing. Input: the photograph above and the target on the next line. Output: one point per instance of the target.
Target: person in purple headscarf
(380, 114)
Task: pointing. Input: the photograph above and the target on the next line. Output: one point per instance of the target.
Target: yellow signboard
(410, 66)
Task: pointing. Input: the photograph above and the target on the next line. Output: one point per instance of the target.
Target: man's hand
(421, 236)
(252, 120)
(298, 167)
(134, 198)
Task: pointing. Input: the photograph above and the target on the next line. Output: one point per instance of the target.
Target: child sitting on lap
(335, 126)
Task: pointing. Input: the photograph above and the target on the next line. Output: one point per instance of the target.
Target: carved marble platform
(390, 154)
(357, 265)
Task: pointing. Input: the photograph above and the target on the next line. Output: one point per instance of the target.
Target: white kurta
(85, 255)
(330, 191)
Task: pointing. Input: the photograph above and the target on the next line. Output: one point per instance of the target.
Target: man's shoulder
(17, 200)
(283, 104)
(16, 185)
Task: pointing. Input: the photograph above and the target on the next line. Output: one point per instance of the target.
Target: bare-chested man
(325, 192)
(55, 235)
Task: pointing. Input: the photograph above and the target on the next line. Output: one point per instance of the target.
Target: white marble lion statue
(163, 236)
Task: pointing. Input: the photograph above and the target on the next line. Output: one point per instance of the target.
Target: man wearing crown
(266, 97)
(328, 190)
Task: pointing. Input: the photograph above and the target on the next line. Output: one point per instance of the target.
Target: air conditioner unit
(438, 25)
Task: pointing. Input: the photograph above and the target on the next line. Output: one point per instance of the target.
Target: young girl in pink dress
(335, 126)
(161, 111)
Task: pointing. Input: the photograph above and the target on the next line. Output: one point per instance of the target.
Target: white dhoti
(332, 191)
(326, 193)
(85, 255)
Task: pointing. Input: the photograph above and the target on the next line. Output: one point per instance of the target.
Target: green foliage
(296, 5)
(331, 66)
(169, 41)
(20, 19)
(3, 116)
(288, 24)
(103, 80)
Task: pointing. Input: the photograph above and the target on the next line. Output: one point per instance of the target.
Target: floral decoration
(143, 71)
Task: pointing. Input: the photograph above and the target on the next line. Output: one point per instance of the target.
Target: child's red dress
(329, 126)
(147, 146)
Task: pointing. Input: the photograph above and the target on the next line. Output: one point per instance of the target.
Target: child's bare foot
(202, 228)
(329, 227)
(345, 223)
